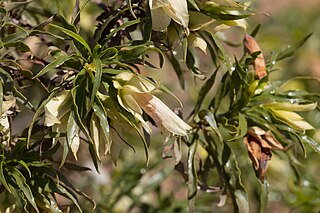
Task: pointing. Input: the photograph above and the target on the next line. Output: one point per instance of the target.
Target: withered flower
(259, 64)
(259, 144)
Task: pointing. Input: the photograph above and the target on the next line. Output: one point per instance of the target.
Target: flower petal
(161, 114)
(57, 107)
(293, 119)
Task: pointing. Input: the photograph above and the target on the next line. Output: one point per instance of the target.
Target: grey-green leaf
(292, 49)
(74, 36)
(24, 187)
(53, 65)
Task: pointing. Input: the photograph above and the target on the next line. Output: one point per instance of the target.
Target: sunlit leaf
(73, 137)
(121, 27)
(205, 89)
(21, 182)
(2, 175)
(263, 197)
(291, 49)
(75, 36)
(8, 85)
(53, 65)
(192, 177)
(96, 80)
(104, 123)
(177, 150)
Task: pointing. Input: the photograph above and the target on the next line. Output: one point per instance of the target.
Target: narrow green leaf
(37, 32)
(2, 176)
(221, 50)
(291, 49)
(18, 196)
(205, 89)
(96, 80)
(121, 27)
(63, 191)
(263, 196)
(190, 62)
(177, 150)
(53, 65)
(75, 167)
(112, 71)
(46, 202)
(242, 126)
(76, 13)
(177, 69)
(14, 37)
(24, 187)
(1, 95)
(59, 7)
(192, 176)
(73, 135)
(75, 36)
(108, 53)
(19, 45)
(147, 25)
(44, 23)
(64, 153)
(130, 8)
(242, 200)
(21, 162)
(8, 84)
(255, 31)
(104, 123)
(314, 144)
(194, 4)
(209, 117)
(83, 128)
(98, 33)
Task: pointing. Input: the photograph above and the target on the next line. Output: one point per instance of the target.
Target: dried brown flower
(259, 64)
(259, 144)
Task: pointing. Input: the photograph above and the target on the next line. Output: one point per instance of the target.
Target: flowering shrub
(92, 89)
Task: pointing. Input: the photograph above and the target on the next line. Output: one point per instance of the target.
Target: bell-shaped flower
(285, 112)
(57, 108)
(4, 120)
(162, 11)
(57, 113)
(135, 95)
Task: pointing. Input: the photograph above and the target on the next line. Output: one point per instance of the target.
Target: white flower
(57, 113)
(57, 107)
(162, 11)
(4, 120)
(134, 95)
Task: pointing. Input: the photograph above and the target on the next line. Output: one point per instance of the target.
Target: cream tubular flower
(57, 108)
(161, 114)
(57, 112)
(285, 112)
(162, 11)
(134, 95)
(4, 120)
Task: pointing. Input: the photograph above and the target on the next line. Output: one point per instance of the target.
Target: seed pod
(259, 64)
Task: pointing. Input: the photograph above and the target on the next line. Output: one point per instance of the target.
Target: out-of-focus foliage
(85, 77)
